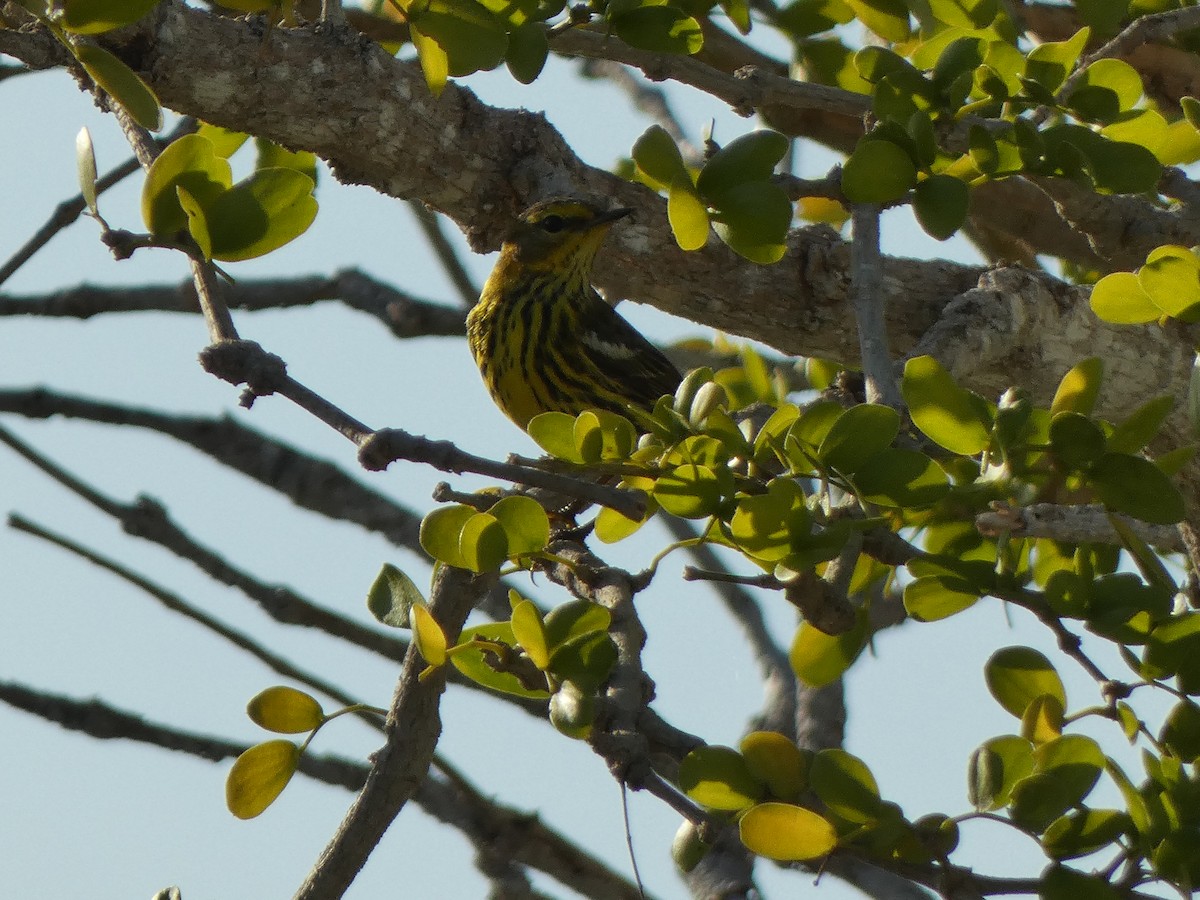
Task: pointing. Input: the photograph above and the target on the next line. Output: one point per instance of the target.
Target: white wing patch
(608, 348)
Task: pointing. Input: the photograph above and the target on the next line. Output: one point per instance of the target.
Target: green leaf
(1171, 279)
(687, 214)
(878, 171)
(1121, 167)
(690, 492)
(1077, 441)
(572, 712)
(435, 63)
(190, 163)
(574, 618)
(819, 659)
(965, 13)
(940, 204)
(441, 531)
(1043, 720)
(285, 710)
(269, 155)
(857, 435)
(1119, 298)
(483, 543)
(428, 636)
(528, 48)
(657, 155)
(1061, 883)
(753, 219)
(122, 84)
(525, 524)
(85, 164)
(984, 152)
(1050, 63)
(937, 597)
(471, 37)
(1079, 388)
(845, 785)
(1118, 77)
(659, 29)
(392, 597)
(197, 220)
(1174, 648)
(718, 777)
(995, 769)
(225, 141)
(948, 415)
(530, 633)
(751, 157)
(765, 526)
(585, 659)
(262, 213)
(1177, 857)
(471, 660)
(1181, 731)
(1084, 832)
(1138, 488)
(887, 18)
(259, 776)
(901, 477)
(96, 16)
(1104, 16)
(777, 762)
(600, 436)
(784, 832)
(612, 526)
(1016, 676)
(554, 432)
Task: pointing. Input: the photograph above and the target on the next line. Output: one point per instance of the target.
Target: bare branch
(868, 297)
(407, 316)
(413, 727)
(1071, 525)
(147, 518)
(70, 210)
(447, 254)
(518, 835)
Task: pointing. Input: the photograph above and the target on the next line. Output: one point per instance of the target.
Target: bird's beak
(612, 215)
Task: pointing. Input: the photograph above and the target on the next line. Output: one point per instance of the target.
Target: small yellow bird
(544, 339)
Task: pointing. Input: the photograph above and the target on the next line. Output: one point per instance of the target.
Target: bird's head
(560, 234)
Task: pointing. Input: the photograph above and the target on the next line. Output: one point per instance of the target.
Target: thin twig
(245, 362)
(868, 297)
(204, 273)
(70, 210)
(407, 316)
(750, 89)
(446, 252)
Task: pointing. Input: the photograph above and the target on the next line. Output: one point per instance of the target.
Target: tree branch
(413, 727)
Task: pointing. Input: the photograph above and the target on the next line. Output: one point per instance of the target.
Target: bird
(543, 339)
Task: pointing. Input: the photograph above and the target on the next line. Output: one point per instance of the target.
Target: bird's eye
(552, 224)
